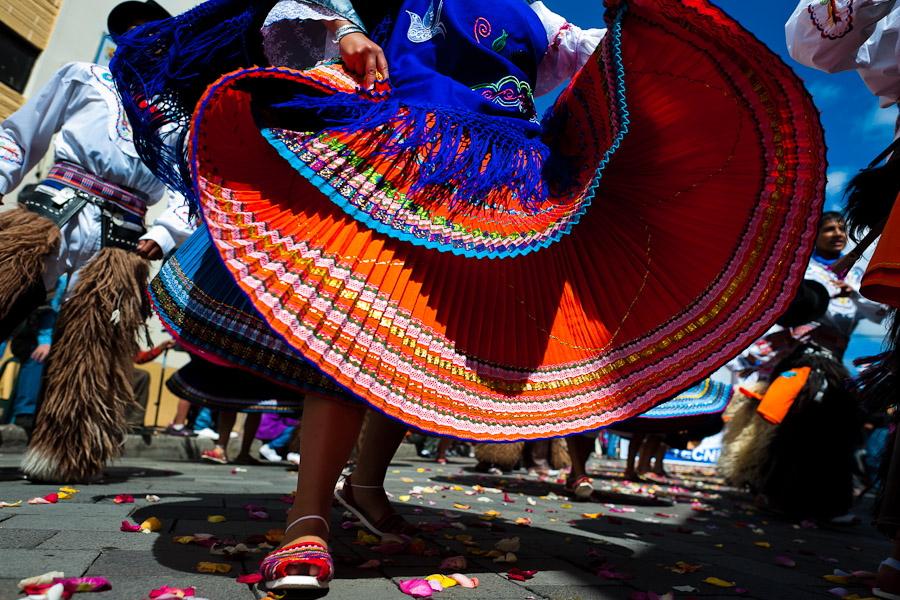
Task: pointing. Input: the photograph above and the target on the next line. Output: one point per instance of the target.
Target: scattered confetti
(718, 582)
(211, 567)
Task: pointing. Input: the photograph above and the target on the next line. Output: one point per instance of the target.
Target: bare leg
(329, 431)
(251, 424)
(226, 424)
(443, 446)
(658, 466)
(579, 447)
(181, 413)
(633, 445)
(647, 452)
(383, 436)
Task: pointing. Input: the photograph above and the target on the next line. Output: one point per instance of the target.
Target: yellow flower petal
(152, 524)
(403, 498)
(68, 490)
(763, 544)
(64, 495)
(462, 506)
(718, 582)
(841, 579)
(565, 506)
(442, 579)
(216, 519)
(210, 567)
(591, 515)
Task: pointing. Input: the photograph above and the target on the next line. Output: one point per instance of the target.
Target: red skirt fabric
(686, 249)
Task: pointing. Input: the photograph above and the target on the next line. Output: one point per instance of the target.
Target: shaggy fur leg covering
(26, 240)
(81, 422)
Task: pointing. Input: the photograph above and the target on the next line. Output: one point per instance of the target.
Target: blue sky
(856, 130)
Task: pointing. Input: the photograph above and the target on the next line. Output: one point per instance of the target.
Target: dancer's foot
(302, 560)
(370, 504)
(887, 583)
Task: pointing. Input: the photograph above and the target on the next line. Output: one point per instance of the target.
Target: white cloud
(879, 123)
(834, 188)
(824, 92)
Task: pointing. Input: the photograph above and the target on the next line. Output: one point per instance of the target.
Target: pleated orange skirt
(697, 178)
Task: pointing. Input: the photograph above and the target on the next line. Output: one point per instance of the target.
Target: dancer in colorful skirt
(231, 391)
(421, 241)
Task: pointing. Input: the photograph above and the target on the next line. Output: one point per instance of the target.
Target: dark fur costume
(508, 455)
(808, 472)
(26, 240)
(81, 421)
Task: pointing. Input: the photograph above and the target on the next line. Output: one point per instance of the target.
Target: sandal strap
(321, 518)
(310, 553)
(395, 523)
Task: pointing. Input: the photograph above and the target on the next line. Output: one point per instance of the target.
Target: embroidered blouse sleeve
(568, 49)
(847, 35)
(174, 226)
(293, 35)
(26, 134)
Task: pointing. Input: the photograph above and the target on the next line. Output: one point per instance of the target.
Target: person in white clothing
(85, 219)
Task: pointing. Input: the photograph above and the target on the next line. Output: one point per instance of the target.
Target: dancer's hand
(845, 290)
(40, 353)
(149, 249)
(361, 55)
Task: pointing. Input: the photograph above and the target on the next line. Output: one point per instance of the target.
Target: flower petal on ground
(151, 524)
(463, 581)
(211, 567)
(152, 498)
(417, 588)
(10, 504)
(216, 519)
(128, 527)
(44, 579)
(718, 582)
(453, 563)
(124, 499)
(252, 578)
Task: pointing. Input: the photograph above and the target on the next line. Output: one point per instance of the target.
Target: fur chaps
(26, 240)
(81, 422)
(507, 455)
(745, 442)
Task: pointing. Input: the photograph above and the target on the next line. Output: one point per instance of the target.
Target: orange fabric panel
(780, 396)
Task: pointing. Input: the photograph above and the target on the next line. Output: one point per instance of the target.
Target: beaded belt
(74, 176)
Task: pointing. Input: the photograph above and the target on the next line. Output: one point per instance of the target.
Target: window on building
(17, 58)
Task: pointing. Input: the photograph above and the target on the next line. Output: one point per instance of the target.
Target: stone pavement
(627, 540)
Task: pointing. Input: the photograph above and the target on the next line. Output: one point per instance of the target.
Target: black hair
(870, 196)
(829, 215)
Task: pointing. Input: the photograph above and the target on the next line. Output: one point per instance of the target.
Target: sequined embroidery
(119, 127)
(10, 151)
(422, 29)
(510, 92)
(832, 22)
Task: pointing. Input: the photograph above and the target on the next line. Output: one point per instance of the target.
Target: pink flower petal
(124, 499)
(126, 526)
(453, 563)
(84, 584)
(417, 588)
(252, 578)
(463, 581)
(784, 561)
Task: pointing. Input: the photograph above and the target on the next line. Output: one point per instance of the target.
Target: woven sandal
(392, 523)
(582, 488)
(274, 567)
(880, 593)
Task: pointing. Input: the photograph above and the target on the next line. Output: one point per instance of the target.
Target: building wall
(34, 21)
